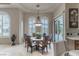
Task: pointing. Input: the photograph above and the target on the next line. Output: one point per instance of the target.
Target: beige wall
(59, 48)
(14, 17)
(71, 30)
(21, 27)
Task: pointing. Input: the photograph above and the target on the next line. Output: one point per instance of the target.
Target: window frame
(5, 14)
(55, 28)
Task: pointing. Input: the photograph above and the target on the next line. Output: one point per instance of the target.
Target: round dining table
(36, 41)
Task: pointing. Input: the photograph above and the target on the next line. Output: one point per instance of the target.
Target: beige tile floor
(49, 53)
(20, 50)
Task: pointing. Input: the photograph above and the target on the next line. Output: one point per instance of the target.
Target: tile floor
(20, 50)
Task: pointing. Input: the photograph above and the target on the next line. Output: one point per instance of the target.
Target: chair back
(47, 39)
(27, 40)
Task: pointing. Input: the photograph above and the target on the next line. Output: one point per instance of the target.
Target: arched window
(4, 24)
(31, 25)
(45, 25)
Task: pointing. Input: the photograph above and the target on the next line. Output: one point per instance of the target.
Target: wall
(21, 27)
(74, 31)
(14, 17)
(71, 30)
(59, 47)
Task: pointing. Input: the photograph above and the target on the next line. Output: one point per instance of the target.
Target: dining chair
(25, 39)
(43, 45)
(29, 43)
(49, 41)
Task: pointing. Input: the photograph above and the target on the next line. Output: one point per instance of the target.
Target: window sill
(5, 37)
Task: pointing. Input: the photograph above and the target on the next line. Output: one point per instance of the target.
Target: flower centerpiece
(38, 35)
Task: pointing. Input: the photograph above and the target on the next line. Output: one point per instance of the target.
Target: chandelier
(38, 21)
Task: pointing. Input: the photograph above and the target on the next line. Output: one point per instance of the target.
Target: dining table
(36, 41)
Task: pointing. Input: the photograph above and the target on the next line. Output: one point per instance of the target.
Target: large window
(31, 25)
(4, 25)
(44, 27)
(44, 21)
(59, 29)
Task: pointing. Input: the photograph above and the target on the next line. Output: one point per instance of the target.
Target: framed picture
(73, 18)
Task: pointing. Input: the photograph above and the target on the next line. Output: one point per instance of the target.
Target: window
(33, 29)
(59, 29)
(4, 25)
(31, 25)
(44, 21)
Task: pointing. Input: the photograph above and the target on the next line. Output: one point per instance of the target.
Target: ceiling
(31, 7)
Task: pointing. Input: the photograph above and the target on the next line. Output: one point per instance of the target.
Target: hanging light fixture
(38, 21)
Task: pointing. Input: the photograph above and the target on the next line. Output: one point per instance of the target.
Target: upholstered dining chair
(43, 45)
(49, 41)
(25, 39)
(29, 44)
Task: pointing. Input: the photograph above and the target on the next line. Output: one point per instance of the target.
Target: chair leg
(25, 45)
(42, 50)
(27, 48)
(46, 48)
(31, 49)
